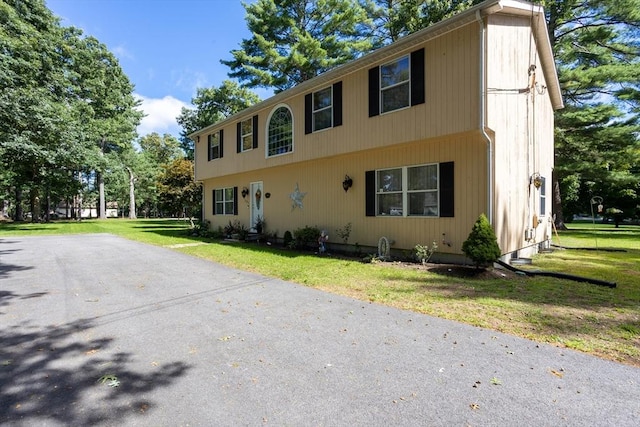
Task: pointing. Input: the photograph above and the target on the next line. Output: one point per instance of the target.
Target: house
(411, 142)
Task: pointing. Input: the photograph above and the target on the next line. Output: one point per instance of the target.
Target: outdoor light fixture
(245, 192)
(347, 183)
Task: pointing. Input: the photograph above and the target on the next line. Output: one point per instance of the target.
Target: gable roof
(407, 43)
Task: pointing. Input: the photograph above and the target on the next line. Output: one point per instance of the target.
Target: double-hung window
(214, 145)
(323, 109)
(246, 134)
(395, 84)
(224, 201)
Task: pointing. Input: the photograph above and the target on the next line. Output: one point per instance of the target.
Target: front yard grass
(601, 321)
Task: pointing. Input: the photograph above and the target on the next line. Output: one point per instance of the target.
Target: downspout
(482, 119)
(202, 197)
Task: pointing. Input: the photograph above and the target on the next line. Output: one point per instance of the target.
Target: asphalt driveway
(187, 342)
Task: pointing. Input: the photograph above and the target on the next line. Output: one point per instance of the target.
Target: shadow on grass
(627, 236)
(52, 374)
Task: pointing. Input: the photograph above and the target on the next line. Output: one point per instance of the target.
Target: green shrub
(306, 237)
(423, 253)
(201, 229)
(287, 239)
(235, 228)
(482, 245)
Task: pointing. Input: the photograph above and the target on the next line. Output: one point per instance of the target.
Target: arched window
(280, 131)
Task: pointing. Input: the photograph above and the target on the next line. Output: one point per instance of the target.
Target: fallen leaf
(495, 381)
(110, 380)
(557, 374)
(474, 406)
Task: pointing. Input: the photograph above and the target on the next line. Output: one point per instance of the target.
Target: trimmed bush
(306, 237)
(482, 245)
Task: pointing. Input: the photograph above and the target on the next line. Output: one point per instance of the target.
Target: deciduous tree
(212, 105)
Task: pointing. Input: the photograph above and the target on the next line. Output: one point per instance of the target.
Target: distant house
(431, 131)
(63, 210)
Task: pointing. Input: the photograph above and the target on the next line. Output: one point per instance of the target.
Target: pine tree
(295, 40)
(597, 49)
(482, 245)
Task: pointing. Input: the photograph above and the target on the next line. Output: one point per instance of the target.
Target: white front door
(256, 202)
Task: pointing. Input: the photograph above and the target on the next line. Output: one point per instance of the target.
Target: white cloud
(189, 80)
(122, 53)
(160, 115)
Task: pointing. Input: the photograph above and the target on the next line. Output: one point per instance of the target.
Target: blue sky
(168, 48)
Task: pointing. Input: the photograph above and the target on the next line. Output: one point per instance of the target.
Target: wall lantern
(245, 192)
(536, 180)
(347, 183)
(198, 138)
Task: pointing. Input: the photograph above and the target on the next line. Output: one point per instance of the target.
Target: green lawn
(594, 319)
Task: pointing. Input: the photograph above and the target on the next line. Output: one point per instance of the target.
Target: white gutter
(483, 119)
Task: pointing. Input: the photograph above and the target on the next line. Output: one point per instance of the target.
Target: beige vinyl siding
(523, 124)
(327, 206)
(451, 106)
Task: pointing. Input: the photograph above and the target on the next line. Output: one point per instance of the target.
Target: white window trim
(293, 127)
(405, 192)
(314, 111)
(380, 88)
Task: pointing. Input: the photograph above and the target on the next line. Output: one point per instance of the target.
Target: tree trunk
(557, 206)
(47, 215)
(132, 195)
(102, 206)
(35, 204)
(19, 214)
(79, 199)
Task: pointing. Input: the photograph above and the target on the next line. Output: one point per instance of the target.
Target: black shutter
(374, 91)
(337, 104)
(239, 137)
(308, 113)
(221, 139)
(417, 77)
(370, 192)
(255, 131)
(209, 147)
(235, 200)
(213, 196)
(446, 189)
